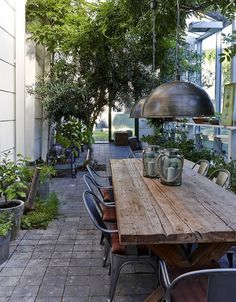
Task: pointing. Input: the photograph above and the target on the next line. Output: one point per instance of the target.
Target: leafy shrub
(5, 223)
(45, 211)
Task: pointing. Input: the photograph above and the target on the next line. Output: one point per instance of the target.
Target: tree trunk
(30, 202)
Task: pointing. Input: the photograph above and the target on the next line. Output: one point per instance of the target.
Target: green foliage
(44, 212)
(88, 138)
(46, 172)
(230, 51)
(218, 162)
(102, 51)
(187, 148)
(13, 183)
(5, 223)
(69, 133)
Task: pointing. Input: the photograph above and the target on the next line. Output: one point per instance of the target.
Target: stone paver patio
(64, 262)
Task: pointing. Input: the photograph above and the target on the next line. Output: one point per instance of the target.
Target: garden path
(64, 262)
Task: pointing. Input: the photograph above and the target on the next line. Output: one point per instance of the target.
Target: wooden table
(167, 217)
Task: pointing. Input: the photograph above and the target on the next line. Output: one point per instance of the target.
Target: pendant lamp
(136, 110)
(177, 98)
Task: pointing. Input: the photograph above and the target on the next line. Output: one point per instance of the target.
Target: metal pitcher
(170, 167)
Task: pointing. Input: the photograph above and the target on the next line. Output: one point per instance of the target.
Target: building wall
(34, 66)
(22, 129)
(7, 77)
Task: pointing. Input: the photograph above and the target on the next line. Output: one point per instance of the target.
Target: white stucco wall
(36, 130)
(21, 120)
(7, 77)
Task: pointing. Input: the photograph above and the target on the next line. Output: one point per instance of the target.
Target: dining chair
(208, 285)
(119, 255)
(221, 177)
(106, 207)
(203, 166)
(136, 154)
(107, 191)
(198, 141)
(217, 146)
(97, 176)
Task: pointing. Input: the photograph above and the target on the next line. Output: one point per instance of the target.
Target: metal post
(218, 78)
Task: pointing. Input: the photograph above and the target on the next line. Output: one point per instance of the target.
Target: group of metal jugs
(166, 164)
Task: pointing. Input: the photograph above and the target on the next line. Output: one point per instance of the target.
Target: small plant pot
(4, 247)
(44, 189)
(16, 209)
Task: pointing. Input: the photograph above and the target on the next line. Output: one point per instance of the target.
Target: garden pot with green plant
(5, 235)
(46, 172)
(13, 188)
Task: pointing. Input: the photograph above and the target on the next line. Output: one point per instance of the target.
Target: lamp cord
(153, 45)
(177, 42)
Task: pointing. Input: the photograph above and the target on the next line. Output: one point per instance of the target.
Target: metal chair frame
(95, 175)
(118, 261)
(203, 166)
(135, 154)
(93, 186)
(198, 141)
(221, 283)
(217, 174)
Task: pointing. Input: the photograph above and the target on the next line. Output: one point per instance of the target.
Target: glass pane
(226, 65)
(208, 66)
(122, 122)
(100, 131)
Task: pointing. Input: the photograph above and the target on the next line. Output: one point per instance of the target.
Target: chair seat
(108, 195)
(109, 214)
(191, 290)
(120, 249)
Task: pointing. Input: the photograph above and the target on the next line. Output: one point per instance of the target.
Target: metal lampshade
(177, 99)
(136, 110)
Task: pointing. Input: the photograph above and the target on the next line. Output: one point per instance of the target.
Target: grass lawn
(99, 135)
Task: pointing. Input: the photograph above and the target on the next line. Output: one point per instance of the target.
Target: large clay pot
(16, 209)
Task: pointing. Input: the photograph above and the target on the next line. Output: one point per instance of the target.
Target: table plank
(150, 213)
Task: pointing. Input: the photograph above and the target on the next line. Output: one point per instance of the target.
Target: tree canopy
(102, 51)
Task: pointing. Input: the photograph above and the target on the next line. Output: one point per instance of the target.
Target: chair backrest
(221, 177)
(93, 174)
(221, 283)
(93, 186)
(91, 202)
(198, 141)
(217, 147)
(203, 166)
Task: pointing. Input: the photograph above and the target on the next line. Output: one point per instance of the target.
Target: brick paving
(64, 262)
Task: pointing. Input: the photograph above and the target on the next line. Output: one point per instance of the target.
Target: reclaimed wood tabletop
(166, 217)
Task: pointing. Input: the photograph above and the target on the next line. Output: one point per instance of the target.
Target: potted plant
(12, 187)
(5, 227)
(46, 172)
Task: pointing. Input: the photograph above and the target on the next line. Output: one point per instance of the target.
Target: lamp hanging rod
(153, 6)
(177, 42)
